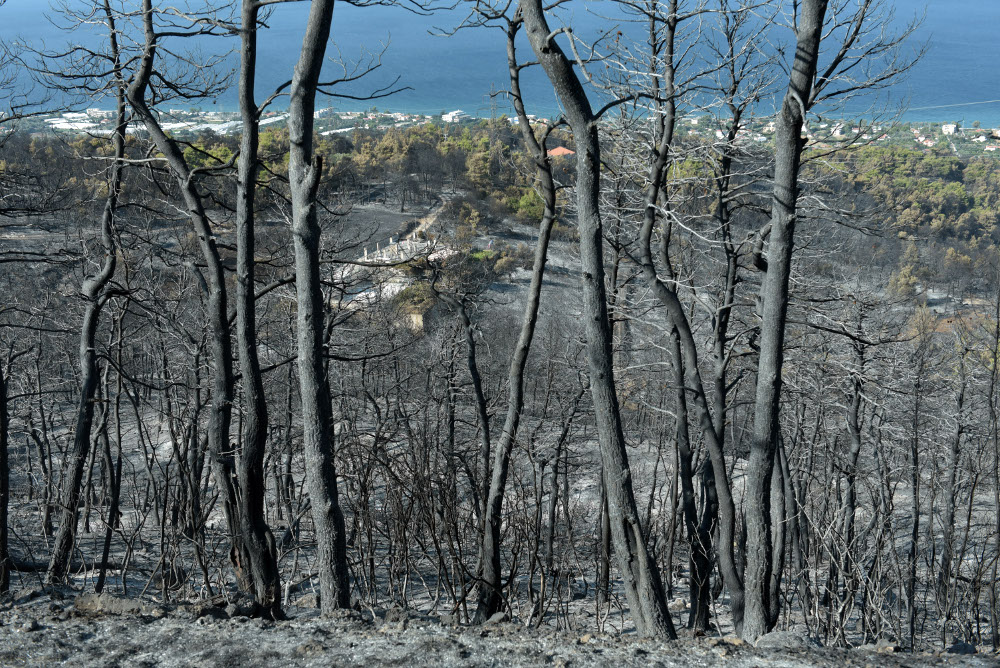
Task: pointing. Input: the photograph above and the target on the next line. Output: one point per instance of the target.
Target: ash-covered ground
(61, 626)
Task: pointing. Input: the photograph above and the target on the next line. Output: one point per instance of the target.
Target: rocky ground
(64, 627)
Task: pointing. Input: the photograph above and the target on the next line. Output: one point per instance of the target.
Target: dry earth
(63, 627)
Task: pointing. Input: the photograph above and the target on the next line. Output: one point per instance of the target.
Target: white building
(454, 116)
(949, 128)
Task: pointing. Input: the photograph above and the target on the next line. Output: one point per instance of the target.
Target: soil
(61, 626)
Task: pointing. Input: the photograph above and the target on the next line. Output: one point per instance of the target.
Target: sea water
(440, 68)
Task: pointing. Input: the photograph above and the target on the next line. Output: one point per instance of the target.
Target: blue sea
(443, 69)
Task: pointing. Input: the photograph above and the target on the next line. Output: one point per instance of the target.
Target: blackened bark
(489, 598)
(457, 304)
(304, 169)
(698, 532)
(221, 454)
(944, 588)
(778, 534)
(260, 553)
(722, 505)
(774, 308)
(5, 563)
(95, 293)
(114, 471)
(911, 552)
(642, 582)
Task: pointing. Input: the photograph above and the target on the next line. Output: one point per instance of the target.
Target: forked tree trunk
(641, 575)
(489, 598)
(719, 498)
(788, 145)
(258, 541)
(220, 419)
(304, 171)
(94, 291)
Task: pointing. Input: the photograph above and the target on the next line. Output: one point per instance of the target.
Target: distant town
(942, 137)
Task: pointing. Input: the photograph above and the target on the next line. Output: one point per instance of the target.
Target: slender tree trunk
(222, 457)
(847, 554)
(457, 304)
(114, 471)
(258, 541)
(489, 598)
(778, 533)
(698, 574)
(94, 292)
(944, 578)
(774, 308)
(666, 293)
(603, 552)
(304, 169)
(5, 563)
(994, 427)
(911, 554)
(643, 585)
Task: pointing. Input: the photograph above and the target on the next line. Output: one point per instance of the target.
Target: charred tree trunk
(489, 598)
(5, 562)
(698, 533)
(643, 585)
(304, 169)
(722, 507)
(94, 291)
(258, 541)
(114, 471)
(945, 579)
(221, 454)
(910, 583)
(760, 609)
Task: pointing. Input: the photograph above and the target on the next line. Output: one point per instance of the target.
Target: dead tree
(5, 562)
(96, 290)
(489, 596)
(222, 457)
(856, 39)
(304, 171)
(257, 536)
(643, 586)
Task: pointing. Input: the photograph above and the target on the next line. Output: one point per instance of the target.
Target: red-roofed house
(560, 151)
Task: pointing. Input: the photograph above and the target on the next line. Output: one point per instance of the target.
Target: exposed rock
(207, 609)
(396, 615)
(962, 648)
(309, 649)
(307, 601)
(886, 646)
(450, 619)
(396, 618)
(499, 618)
(29, 626)
(787, 640)
(105, 604)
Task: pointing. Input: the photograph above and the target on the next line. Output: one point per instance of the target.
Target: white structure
(454, 116)
(949, 128)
